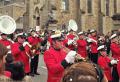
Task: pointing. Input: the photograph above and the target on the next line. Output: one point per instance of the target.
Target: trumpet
(35, 48)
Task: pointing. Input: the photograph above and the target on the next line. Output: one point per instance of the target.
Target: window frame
(66, 9)
(89, 7)
(107, 7)
(115, 6)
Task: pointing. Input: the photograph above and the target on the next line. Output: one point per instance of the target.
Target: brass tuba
(7, 24)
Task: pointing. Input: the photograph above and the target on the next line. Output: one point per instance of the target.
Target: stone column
(78, 15)
(100, 18)
(31, 13)
(83, 10)
(26, 17)
(107, 21)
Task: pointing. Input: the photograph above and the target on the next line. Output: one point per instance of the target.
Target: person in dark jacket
(9, 63)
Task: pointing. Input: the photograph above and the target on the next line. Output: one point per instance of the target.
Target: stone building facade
(14, 9)
(96, 14)
(36, 13)
(27, 13)
(102, 15)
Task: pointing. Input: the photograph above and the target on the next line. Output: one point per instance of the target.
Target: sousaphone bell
(7, 24)
(72, 25)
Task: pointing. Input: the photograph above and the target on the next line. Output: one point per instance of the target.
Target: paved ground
(42, 70)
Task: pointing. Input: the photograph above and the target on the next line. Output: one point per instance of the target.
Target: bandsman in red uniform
(4, 40)
(115, 49)
(57, 59)
(118, 67)
(81, 45)
(93, 46)
(20, 52)
(34, 41)
(104, 62)
(70, 40)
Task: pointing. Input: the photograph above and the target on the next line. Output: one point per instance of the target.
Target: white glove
(8, 47)
(74, 43)
(35, 35)
(113, 61)
(94, 40)
(9, 52)
(26, 43)
(70, 42)
(70, 57)
(89, 40)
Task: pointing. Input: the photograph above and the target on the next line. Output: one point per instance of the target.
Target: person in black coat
(9, 63)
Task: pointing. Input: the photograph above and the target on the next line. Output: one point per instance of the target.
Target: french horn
(7, 24)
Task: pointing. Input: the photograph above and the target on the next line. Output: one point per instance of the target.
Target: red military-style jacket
(7, 74)
(71, 46)
(34, 41)
(5, 42)
(115, 49)
(69, 37)
(53, 59)
(81, 46)
(94, 46)
(118, 67)
(104, 61)
(21, 55)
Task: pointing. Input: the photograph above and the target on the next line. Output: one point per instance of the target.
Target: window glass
(107, 7)
(89, 5)
(65, 5)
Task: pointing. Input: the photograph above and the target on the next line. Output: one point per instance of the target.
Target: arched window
(65, 5)
(89, 6)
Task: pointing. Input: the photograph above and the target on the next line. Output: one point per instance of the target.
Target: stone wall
(96, 20)
(77, 11)
(65, 16)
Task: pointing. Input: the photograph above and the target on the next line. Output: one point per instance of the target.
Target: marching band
(62, 49)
